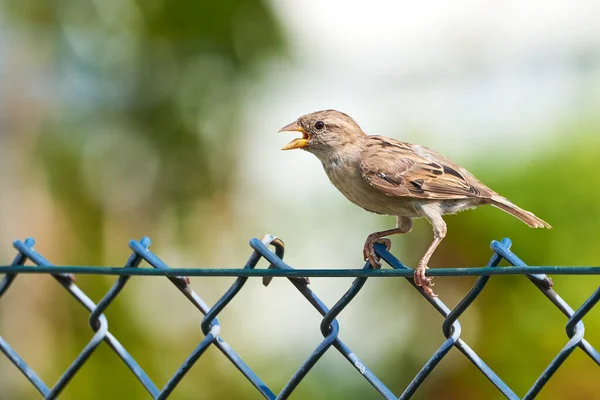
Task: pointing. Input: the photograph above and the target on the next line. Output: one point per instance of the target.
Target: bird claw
(374, 261)
(424, 281)
(387, 242)
(369, 250)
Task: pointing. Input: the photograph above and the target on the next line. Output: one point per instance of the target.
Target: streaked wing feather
(396, 169)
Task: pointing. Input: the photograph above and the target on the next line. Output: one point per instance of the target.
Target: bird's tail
(525, 216)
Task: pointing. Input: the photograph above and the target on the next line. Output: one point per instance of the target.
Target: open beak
(296, 143)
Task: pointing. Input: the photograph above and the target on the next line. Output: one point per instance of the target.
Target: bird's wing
(401, 169)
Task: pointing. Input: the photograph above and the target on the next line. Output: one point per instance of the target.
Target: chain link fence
(299, 279)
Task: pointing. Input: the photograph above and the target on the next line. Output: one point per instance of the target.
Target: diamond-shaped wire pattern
(330, 328)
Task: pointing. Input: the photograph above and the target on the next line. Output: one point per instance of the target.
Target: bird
(389, 177)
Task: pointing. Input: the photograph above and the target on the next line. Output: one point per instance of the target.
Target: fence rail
(299, 278)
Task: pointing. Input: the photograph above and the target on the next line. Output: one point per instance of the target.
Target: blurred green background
(124, 118)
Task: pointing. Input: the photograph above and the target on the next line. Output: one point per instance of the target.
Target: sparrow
(389, 177)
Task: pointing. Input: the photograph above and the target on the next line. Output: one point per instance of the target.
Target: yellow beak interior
(298, 143)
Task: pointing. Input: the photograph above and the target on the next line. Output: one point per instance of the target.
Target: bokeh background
(125, 118)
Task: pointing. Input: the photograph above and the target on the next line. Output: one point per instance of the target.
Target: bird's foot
(369, 250)
(424, 281)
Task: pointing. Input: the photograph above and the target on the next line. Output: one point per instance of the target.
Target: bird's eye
(319, 125)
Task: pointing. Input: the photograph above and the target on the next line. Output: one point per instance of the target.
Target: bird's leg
(403, 225)
(420, 278)
(433, 215)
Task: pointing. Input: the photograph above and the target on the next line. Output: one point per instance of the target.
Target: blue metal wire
(301, 274)
(330, 328)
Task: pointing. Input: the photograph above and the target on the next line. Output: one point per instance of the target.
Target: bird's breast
(348, 180)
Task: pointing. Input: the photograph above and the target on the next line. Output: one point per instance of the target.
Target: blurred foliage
(148, 101)
(145, 97)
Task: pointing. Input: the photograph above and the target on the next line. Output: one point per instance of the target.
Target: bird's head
(324, 132)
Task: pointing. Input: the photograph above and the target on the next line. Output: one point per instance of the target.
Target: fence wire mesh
(329, 327)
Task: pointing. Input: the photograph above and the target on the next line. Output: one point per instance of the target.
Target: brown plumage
(390, 177)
